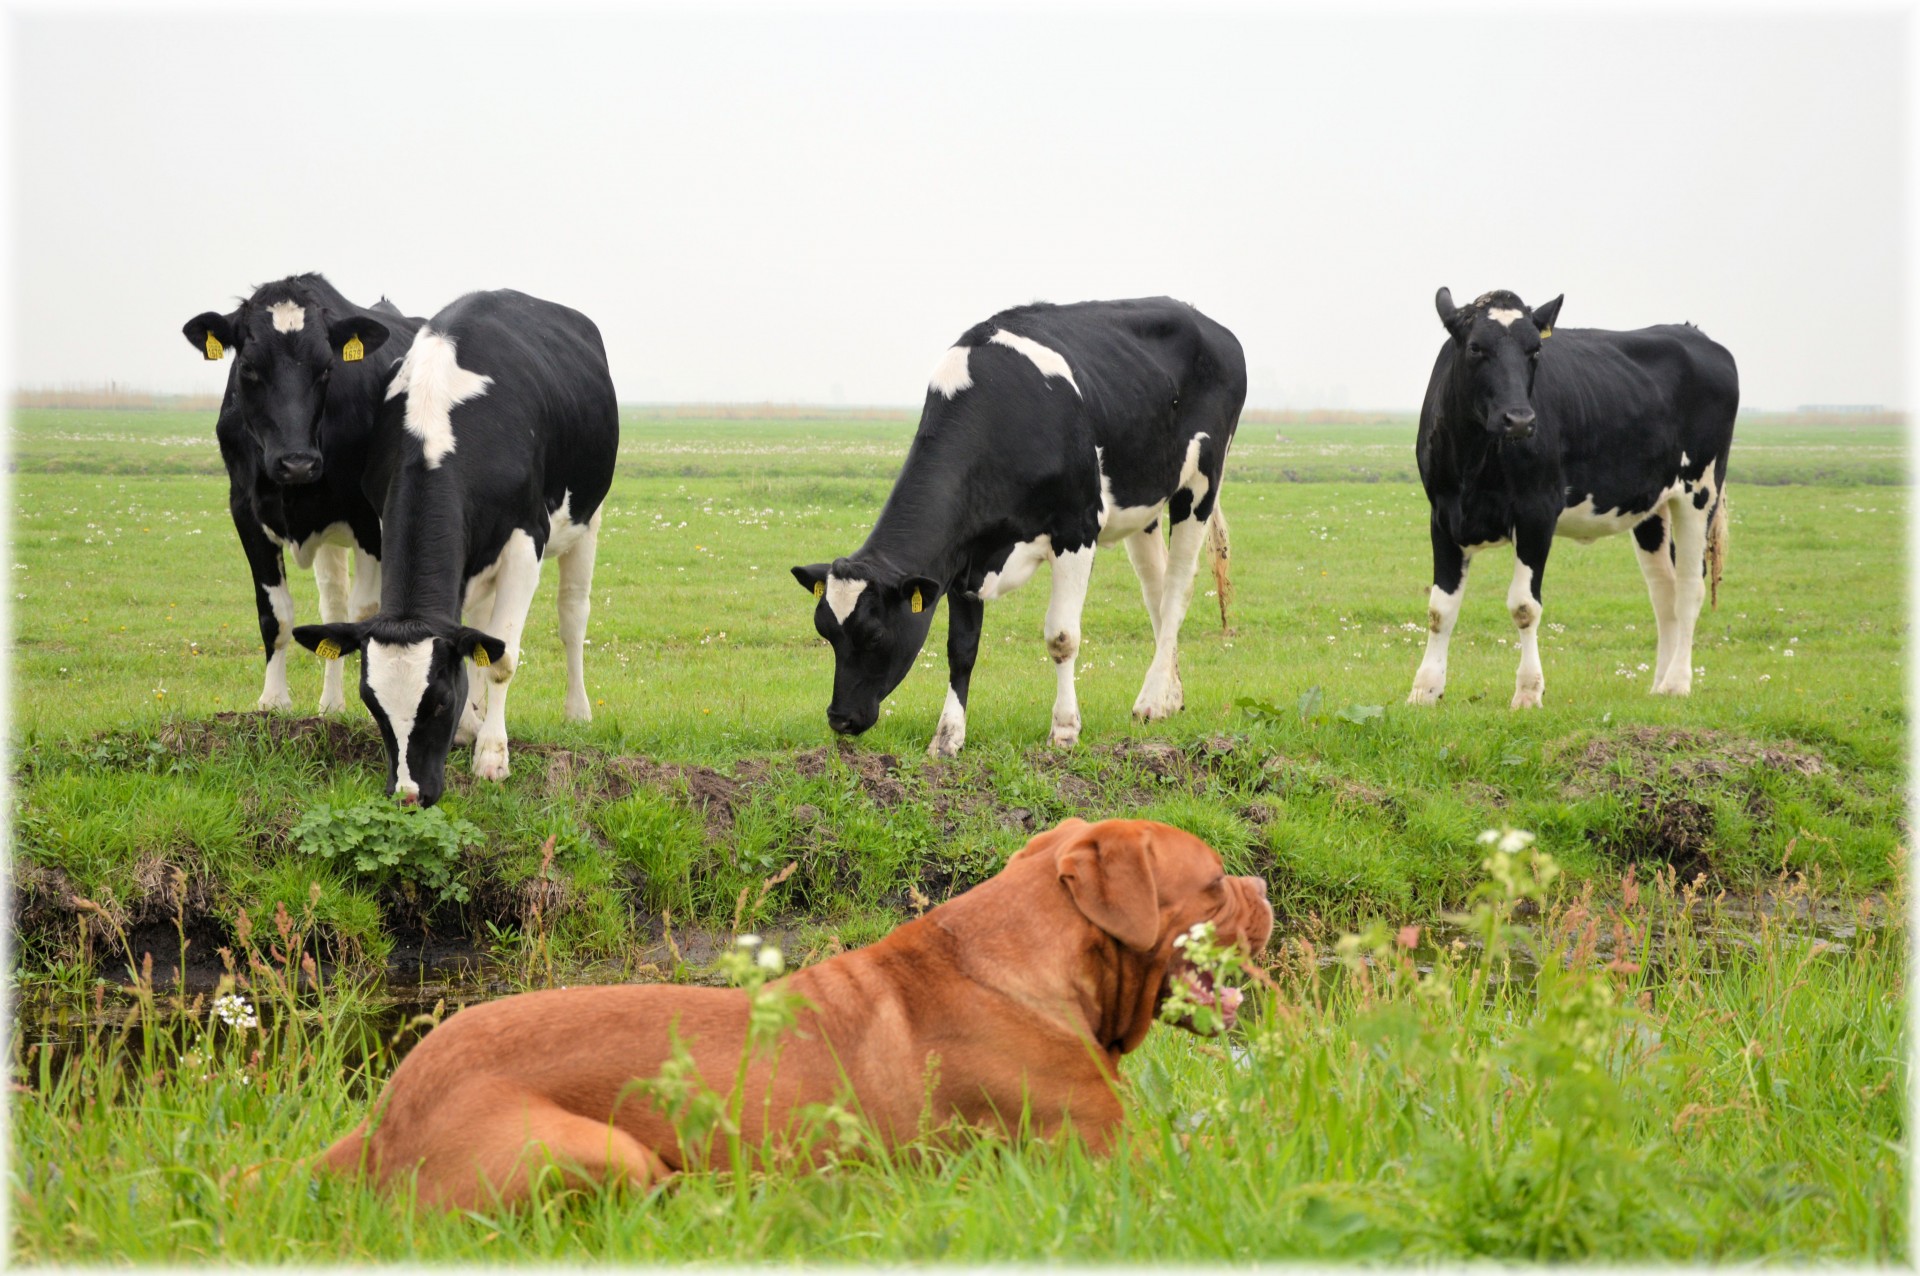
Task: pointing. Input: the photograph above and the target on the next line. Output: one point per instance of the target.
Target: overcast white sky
(810, 207)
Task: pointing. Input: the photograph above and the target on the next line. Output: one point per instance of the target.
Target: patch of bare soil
(1668, 777)
(328, 739)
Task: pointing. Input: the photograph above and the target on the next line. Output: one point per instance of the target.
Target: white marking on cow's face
(842, 595)
(951, 375)
(1022, 562)
(288, 316)
(434, 382)
(1503, 317)
(397, 676)
(1050, 361)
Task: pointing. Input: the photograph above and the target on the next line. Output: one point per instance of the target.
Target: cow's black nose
(840, 722)
(1520, 423)
(300, 467)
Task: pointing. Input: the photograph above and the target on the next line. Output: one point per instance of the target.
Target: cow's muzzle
(298, 467)
(848, 724)
(1519, 423)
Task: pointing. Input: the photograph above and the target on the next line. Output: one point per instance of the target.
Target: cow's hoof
(948, 737)
(579, 710)
(271, 702)
(1674, 689)
(1527, 699)
(333, 702)
(1425, 695)
(1153, 706)
(490, 760)
(1064, 736)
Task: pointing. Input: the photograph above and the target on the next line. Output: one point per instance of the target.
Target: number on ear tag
(328, 649)
(214, 348)
(354, 351)
(819, 588)
(916, 602)
(481, 658)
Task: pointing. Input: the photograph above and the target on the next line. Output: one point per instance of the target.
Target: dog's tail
(1219, 548)
(349, 1155)
(1717, 545)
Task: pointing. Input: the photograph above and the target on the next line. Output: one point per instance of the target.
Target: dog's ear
(1109, 873)
(1044, 842)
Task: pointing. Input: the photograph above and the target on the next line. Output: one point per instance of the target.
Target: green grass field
(145, 785)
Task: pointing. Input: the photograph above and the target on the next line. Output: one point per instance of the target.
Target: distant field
(1723, 1076)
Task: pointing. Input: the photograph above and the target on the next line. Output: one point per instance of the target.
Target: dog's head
(1140, 886)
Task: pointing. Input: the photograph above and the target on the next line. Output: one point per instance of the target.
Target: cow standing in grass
(495, 453)
(1047, 431)
(1530, 431)
(295, 427)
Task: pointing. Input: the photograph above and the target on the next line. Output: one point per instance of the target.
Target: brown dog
(1020, 995)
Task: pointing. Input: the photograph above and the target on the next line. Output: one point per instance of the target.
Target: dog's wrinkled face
(1143, 885)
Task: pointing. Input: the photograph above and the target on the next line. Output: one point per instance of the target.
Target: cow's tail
(1716, 546)
(1219, 549)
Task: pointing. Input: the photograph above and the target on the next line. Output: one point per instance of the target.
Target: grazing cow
(1530, 431)
(496, 452)
(294, 429)
(1047, 431)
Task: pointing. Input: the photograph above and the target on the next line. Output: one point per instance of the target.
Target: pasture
(1739, 1092)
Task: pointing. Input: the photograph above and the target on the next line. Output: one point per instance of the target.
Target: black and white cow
(496, 452)
(1047, 431)
(295, 425)
(1530, 431)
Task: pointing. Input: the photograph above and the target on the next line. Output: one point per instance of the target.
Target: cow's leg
(1072, 572)
(514, 582)
(364, 600)
(478, 614)
(1530, 547)
(1147, 551)
(1161, 696)
(964, 618)
(1652, 544)
(1689, 590)
(271, 599)
(1450, 563)
(576, 601)
(330, 576)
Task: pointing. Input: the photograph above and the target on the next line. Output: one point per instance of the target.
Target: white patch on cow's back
(434, 382)
(842, 595)
(1050, 361)
(397, 676)
(288, 316)
(951, 375)
(1503, 317)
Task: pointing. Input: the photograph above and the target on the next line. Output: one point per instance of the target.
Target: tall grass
(1555, 1075)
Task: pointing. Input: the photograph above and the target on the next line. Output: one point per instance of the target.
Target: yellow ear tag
(819, 588)
(1545, 333)
(328, 649)
(481, 658)
(353, 351)
(916, 602)
(214, 348)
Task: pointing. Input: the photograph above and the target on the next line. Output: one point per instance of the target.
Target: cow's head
(1496, 349)
(413, 676)
(285, 344)
(876, 628)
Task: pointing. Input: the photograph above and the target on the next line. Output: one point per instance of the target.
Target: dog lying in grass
(1017, 998)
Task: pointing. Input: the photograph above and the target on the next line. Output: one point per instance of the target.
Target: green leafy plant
(386, 843)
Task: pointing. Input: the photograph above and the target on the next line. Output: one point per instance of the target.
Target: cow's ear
(355, 337)
(1544, 316)
(213, 334)
(482, 649)
(330, 642)
(1450, 314)
(812, 578)
(919, 593)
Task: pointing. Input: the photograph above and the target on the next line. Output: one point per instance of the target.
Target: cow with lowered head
(1531, 431)
(1047, 431)
(495, 453)
(302, 398)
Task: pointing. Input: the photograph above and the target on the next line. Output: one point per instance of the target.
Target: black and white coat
(496, 452)
(1047, 431)
(1530, 431)
(294, 429)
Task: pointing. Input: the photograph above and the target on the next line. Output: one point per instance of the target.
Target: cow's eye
(1475, 352)
(247, 373)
